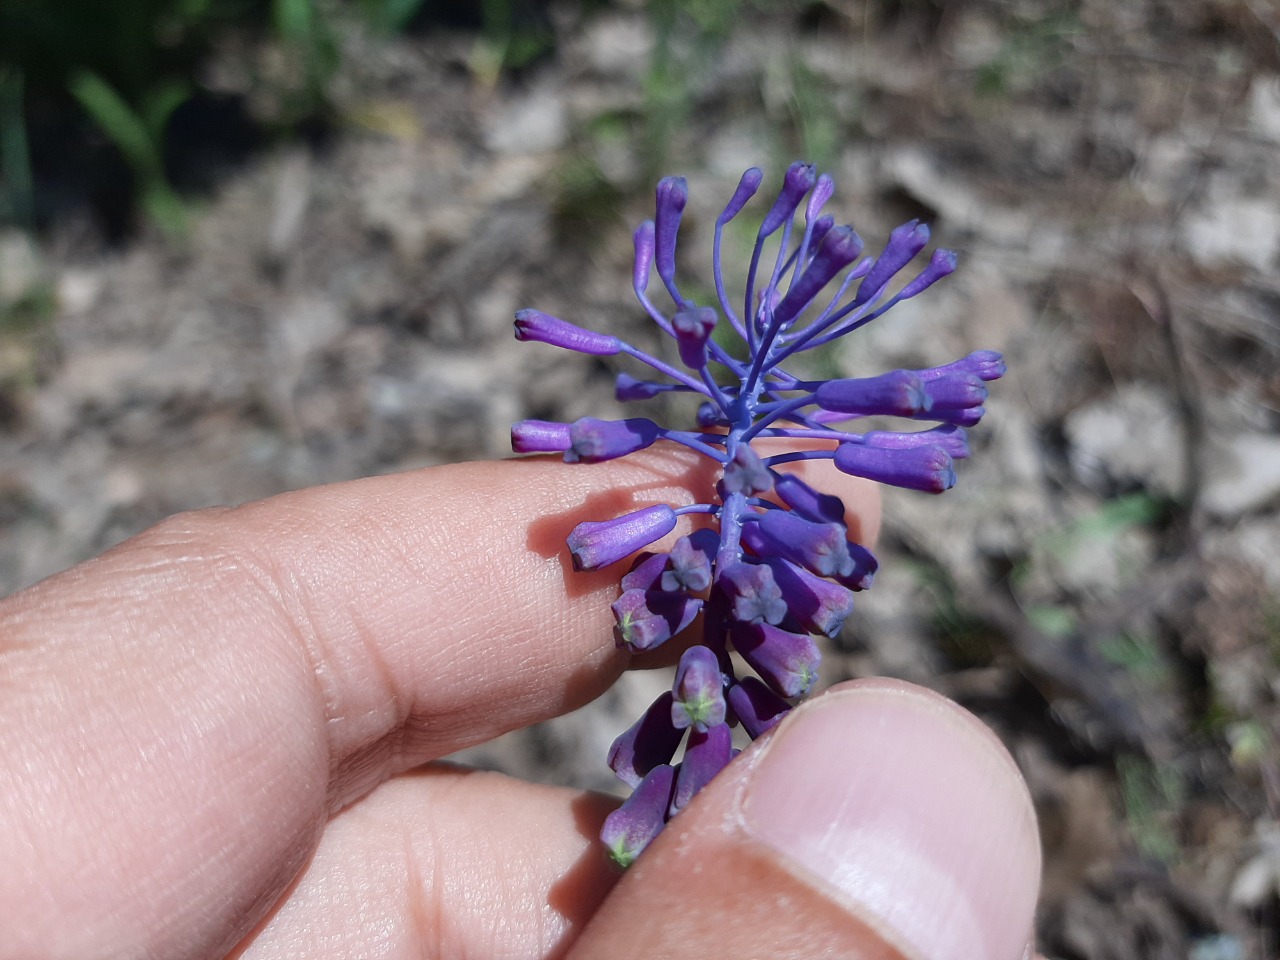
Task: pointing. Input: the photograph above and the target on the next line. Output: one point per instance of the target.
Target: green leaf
(120, 122)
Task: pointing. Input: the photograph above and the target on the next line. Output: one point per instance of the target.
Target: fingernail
(908, 810)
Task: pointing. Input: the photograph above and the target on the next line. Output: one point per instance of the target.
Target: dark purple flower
(652, 740)
(787, 661)
(766, 577)
(598, 543)
(698, 691)
(630, 828)
(709, 751)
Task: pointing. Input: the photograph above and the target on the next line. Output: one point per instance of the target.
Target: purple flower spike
(540, 436)
(752, 594)
(594, 441)
(900, 393)
(928, 469)
(649, 618)
(819, 547)
(693, 329)
(544, 328)
(708, 753)
(787, 661)
(691, 559)
(767, 578)
(630, 828)
(698, 692)
(757, 707)
(650, 742)
(746, 473)
(597, 543)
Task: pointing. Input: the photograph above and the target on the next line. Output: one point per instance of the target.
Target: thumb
(880, 820)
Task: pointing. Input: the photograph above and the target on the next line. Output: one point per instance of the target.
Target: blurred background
(252, 245)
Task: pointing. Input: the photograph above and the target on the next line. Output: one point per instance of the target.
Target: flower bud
(706, 755)
(649, 742)
(904, 243)
(941, 264)
(643, 240)
(950, 438)
(798, 180)
(698, 691)
(814, 603)
(840, 248)
(899, 393)
(929, 468)
(746, 473)
(692, 328)
(753, 596)
(597, 543)
(594, 441)
(539, 436)
(787, 661)
(690, 566)
(807, 502)
(649, 618)
(630, 828)
(544, 328)
(673, 194)
(747, 187)
(757, 707)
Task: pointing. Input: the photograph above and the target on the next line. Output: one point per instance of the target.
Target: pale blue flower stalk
(770, 564)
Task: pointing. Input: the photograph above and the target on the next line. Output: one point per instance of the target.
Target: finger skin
(446, 861)
(179, 717)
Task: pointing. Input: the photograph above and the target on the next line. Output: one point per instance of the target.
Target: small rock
(534, 123)
(1242, 475)
(1131, 435)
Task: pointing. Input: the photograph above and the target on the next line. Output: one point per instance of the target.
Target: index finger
(179, 716)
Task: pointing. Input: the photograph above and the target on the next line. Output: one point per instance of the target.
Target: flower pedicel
(774, 567)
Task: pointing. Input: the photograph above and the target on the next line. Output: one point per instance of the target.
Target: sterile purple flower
(771, 566)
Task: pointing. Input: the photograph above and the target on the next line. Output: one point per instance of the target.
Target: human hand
(212, 739)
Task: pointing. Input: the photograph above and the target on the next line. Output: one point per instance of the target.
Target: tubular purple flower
(690, 566)
(807, 502)
(753, 596)
(627, 388)
(816, 604)
(823, 188)
(597, 543)
(899, 393)
(949, 437)
(646, 572)
(643, 240)
(941, 264)
(692, 329)
(746, 473)
(757, 707)
(983, 364)
(904, 243)
(706, 755)
(787, 661)
(865, 566)
(646, 619)
(840, 248)
(594, 441)
(798, 181)
(672, 195)
(539, 436)
(630, 828)
(649, 742)
(928, 469)
(698, 693)
(956, 391)
(544, 328)
(819, 547)
(748, 184)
